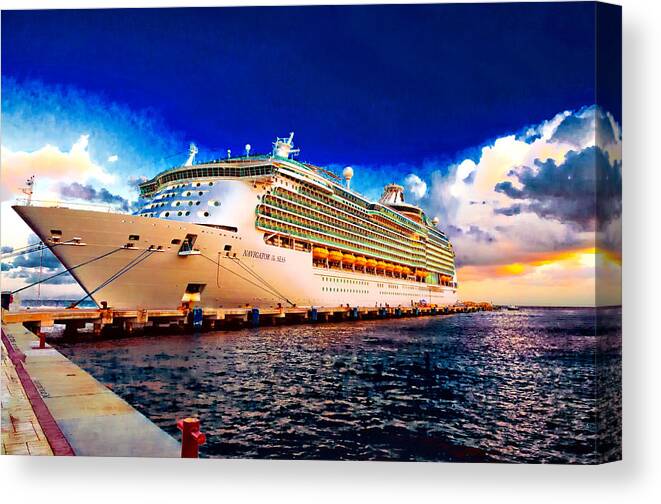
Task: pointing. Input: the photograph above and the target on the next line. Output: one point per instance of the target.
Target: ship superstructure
(257, 230)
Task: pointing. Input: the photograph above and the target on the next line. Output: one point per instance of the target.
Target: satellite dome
(347, 173)
(435, 221)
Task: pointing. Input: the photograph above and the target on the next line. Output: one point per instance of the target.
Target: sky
(488, 114)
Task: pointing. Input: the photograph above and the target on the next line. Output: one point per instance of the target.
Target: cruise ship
(252, 230)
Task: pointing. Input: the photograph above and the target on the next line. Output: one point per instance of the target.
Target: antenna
(284, 147)
(248, 147)
(229, 153)
(28, 190)
(192, 150)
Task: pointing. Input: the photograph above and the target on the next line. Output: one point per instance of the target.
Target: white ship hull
(251, 273)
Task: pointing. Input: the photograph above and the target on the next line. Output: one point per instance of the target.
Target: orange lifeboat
(389, 267)
(406, 270)
(335, 256)
(360, 261)
(371, 263)
(420, 273)
(381, 265)
(319, 253)
(398, 269)
(348, 258)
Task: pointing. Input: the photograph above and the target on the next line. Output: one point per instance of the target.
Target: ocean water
(508, 386)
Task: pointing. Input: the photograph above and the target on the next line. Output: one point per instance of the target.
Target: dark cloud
(89, 193)
(572, 129)
(30, 275)
(480, 234)
(35, 260)
(568, 192)
(470, 178)
(508, 211)
(6, 249)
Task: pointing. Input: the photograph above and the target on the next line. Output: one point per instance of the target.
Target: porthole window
(216, 203)
(177, 203)
(187, 213)
(190, 203)
(200, 193)
(179, 213)
(206, 214)
(167, 214)
(197, 202)
(210, 184)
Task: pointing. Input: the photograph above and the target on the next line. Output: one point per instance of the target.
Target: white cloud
(49, 164)
(113, 159)
(464, 195)
(415, 186)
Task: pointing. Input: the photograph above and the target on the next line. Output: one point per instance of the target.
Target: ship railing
(95, 207)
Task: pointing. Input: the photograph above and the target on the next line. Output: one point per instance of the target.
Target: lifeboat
(335, 256)
(398, 269)
(371, 263)
(389, 267)
(381, 265)
(360, 261)
(319, 253)
(406, 270)
(420, 273)
(348, 258)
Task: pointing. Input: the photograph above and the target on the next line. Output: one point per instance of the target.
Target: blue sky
(360, 85)
(438, 97)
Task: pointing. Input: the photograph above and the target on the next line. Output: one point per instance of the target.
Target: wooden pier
(191, 318)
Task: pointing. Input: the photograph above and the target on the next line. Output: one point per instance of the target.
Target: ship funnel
(347, 173)
(393, 194)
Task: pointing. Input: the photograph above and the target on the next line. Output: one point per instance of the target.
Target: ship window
(197, 202)
(187, 213)
(56, 232)
(210, 183)
(176, 241)
(134, 237)
(227, 248)
(206, 214)
(167, 214)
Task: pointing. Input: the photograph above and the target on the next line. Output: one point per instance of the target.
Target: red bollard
(191, 437)
(42, 339)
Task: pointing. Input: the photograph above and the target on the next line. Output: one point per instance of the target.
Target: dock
(50, 406)
(108, 320)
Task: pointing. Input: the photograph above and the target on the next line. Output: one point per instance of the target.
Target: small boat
(513, 308)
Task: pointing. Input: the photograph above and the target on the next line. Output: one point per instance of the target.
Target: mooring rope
(36, 247)
(67, 270)
(258, 277)
(217, 263)
(124, 269)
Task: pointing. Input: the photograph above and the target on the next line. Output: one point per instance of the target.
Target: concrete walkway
(21, 432)
(91, 419)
